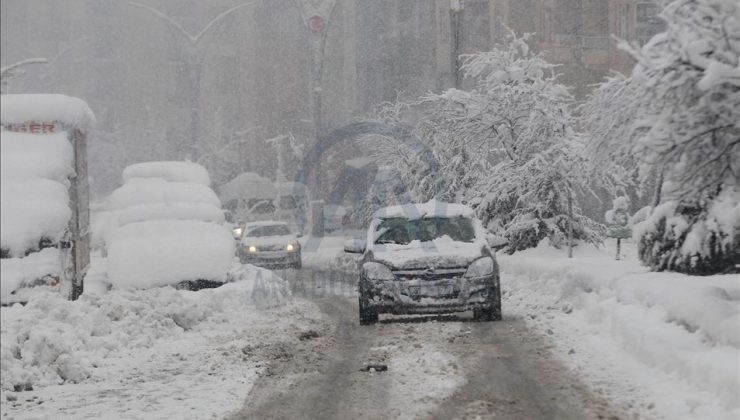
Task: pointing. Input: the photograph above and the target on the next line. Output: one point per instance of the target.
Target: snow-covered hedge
(52, 341)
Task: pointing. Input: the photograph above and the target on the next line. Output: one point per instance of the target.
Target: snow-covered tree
(506, 146)
(683, 112)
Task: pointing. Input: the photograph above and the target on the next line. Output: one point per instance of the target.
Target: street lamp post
(316, 15)
(194, 59)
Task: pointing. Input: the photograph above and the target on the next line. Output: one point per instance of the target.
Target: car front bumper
(271, 259)
(430, 296)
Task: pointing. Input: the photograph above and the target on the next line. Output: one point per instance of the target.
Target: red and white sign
(33, 127)
(316, 23)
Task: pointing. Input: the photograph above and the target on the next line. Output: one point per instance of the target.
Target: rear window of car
(402, 231)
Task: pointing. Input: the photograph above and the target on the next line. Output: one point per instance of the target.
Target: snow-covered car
(270, 244)
(170, 229)
(426, 258)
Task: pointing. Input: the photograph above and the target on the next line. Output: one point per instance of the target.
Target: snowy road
(438, 367)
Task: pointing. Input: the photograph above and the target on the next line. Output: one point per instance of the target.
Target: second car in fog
(269, 244)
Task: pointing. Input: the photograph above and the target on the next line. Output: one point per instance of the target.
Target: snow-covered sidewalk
(157, 353)
(663, 345)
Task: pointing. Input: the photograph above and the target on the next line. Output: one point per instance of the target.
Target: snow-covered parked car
(169, 229)
(270, 244)
(44, 194)
(426, 258)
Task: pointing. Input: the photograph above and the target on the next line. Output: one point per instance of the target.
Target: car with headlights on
(269, 244)
(426, 258)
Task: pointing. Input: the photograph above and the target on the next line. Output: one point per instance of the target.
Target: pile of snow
(33, 184)
(44, 107)
(23, 271)
(677, 336)
(167, 341)
(167, 227)
(170, 171)
(162, 252)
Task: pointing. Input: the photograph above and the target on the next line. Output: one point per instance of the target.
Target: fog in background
(161, 91)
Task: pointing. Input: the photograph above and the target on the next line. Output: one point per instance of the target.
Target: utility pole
(456, 39)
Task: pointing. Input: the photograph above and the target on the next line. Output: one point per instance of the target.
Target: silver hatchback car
(426, 258)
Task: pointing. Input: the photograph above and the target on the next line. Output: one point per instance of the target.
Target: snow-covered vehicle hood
(270, 240)
(440, 253)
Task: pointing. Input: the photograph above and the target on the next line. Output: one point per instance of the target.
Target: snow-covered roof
(175, 171)
(46, 107)
(248, 185)
(432, 208)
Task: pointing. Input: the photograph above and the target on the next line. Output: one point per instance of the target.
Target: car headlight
(289, 247)
(480, 267)
(237, 232)
(252, 248)
(377, 271)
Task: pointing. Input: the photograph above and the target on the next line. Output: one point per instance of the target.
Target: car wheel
(492, 311)
(367, 315)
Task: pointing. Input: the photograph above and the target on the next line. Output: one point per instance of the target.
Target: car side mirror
(354, 246)
(496, 242)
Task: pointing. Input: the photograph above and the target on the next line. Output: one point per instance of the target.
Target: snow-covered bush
(695, 239)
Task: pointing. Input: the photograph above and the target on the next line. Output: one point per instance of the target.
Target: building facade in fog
(251, 75)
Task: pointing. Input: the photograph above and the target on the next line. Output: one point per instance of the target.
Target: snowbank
(162, 252)
(173, 171)
(45, 107)
(683, 330)
(17, 271)
(53, 341)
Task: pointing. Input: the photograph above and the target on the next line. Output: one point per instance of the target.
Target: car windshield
(272, 230)
(402, 231)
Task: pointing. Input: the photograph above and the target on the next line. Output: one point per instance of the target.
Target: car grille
(430, 274)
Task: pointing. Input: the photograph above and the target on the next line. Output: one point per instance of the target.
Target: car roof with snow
(432, 208)
(265, 223)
